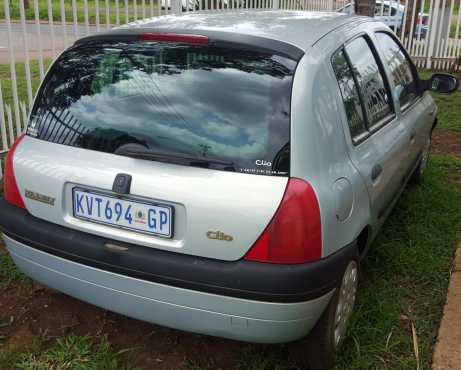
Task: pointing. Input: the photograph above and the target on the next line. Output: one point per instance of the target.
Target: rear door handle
(375, 172)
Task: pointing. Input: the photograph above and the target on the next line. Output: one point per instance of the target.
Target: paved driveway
(34, 42)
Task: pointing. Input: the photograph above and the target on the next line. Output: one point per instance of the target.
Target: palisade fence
(34, 32)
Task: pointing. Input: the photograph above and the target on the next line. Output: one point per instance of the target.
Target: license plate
(144, 217)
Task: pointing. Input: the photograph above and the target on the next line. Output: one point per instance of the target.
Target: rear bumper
(184, 309)
(241, 300)
(239, 279)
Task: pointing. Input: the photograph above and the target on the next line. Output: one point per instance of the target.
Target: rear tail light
(10, 187)
(294, 233)
(174, 37)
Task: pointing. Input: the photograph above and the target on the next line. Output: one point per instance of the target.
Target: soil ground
(49, 314)
(446, 142)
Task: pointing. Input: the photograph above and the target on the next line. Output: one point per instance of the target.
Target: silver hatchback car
(219, 173)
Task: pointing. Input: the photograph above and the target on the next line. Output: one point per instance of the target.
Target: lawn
(403, 288)
(21, 81)
(68, 353)
(134, 12)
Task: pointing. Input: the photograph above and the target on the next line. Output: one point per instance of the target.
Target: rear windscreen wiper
(169, 157)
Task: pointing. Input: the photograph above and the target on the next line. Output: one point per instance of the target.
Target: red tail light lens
(10, 187)
(294, 234)
(174, 37)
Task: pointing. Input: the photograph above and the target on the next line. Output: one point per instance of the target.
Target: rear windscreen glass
(228, 108)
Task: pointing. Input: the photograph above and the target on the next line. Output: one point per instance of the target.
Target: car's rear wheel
(318, 351)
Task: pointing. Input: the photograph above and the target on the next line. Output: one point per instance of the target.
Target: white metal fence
(31, 37)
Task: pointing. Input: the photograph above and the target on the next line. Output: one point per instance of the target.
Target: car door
(415, 115)
(377, 139)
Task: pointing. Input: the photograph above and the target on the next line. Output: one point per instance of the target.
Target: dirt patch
(47, 314)
(446, 142)
(22, 339)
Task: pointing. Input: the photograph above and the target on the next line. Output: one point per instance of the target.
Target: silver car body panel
(234, 318)
(240, 205)
(298, 28)
(349, 202)
(320, 131)
(204, 200)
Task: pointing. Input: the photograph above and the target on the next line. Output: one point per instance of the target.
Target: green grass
(10, 357)
(5, 79)
(10, 275)
(56, 10)
(68, 353)
(406, 275)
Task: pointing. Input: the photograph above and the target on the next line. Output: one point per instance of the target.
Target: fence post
(176, 6)
(14, 85)
(432, 33)
(276, 4)
(24, 117)
(39, 40)
(51, 25)
(26, 53)
(9, 118)
(3, 121)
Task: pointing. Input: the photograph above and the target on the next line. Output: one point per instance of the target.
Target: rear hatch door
(201, 131)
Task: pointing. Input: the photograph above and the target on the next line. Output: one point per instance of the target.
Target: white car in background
(388, 12)
(422, 25)
(184, 3)
(195, 4)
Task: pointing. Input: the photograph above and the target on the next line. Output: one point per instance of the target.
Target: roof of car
(299, 28)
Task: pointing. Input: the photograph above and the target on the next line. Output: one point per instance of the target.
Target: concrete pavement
(447, 353)
(48, 36)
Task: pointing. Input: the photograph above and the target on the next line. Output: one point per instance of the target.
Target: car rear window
(228, 107)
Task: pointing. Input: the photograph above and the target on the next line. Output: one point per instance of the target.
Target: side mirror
(443, 83)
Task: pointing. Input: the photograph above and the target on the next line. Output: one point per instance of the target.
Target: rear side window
(225, 105)
(349, 94)
(400, 67)
(375, 95)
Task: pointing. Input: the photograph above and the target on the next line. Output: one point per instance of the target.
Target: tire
(319, 349)
(418, 174)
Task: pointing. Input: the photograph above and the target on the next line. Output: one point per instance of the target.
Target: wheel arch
(363, 241)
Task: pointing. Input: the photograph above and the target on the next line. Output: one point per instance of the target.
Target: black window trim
(371, 129)
(407, 106)
(356, 140)
(363, 136)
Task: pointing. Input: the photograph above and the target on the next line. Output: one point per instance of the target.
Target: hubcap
(346, 301)
(425, 156)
